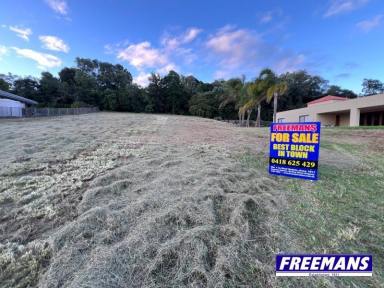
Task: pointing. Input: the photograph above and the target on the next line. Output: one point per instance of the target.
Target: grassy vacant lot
(132, 200)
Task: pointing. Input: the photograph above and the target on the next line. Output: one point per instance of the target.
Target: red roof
(326, 99)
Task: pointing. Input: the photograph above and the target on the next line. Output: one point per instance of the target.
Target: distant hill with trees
(110, 87)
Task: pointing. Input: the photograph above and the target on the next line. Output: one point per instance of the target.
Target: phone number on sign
(294, 163)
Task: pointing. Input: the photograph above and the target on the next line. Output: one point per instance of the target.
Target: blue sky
(340, 40)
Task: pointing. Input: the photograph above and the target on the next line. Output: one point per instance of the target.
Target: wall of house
(11, 108)
(293, 115)
(344, 119)
(327, 119)
(349, 109)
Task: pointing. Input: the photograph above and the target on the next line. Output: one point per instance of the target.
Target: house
(12, 105)
(339, 111)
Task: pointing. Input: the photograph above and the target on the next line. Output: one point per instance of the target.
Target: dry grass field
(135, 200)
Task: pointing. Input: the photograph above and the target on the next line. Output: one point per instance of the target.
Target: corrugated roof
(327, 98)
(8, 95)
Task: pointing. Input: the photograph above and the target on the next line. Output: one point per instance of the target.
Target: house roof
(11, 96)
(326, 99)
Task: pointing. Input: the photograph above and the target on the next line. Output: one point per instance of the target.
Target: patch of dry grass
(133, 200)
(127, 200)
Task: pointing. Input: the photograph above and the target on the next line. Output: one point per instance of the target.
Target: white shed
(12, 105)
(11, 108)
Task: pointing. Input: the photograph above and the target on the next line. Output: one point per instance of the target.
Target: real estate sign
(294, 149)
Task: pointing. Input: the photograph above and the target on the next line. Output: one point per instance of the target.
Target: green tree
(233, 92)
(131, 99)
(372, 87)
(274, 92)
(257, 95)
(110, 100)
(86, 89)
(110, 76)
(68, 85)
(50, 89)
(176, 99)
(204, 104)
(302, 88)
(338, 91)
(275, 87)
(28, 88)
(155, 95)
(4, 85)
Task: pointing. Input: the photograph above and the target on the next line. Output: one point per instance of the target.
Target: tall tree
(232, 92)
(50, 89)
(176, 100)
(276, 91)
(155, 95)
(257, 93)
(302, 88)
(68, 85)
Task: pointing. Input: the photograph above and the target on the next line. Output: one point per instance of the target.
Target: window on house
(280, 120)
(304, 118)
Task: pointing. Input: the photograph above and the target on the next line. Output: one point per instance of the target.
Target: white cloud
(59, 6)
(267, 17)
(143, 56)
(3, 51)
(343, 6)
(142, 79)
(43, 60)
(235, 46)
(240, 51)
(165, 69)
(368, 25)
(23, 33)
(290, 63)
(173, 43)
(54, 43)
(191, 34)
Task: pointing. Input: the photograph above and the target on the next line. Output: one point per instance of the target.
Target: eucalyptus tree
(372, 86)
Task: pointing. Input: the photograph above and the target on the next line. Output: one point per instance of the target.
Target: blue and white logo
(323, 264)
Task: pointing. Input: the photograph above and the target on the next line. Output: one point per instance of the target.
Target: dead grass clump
(138, 201)
(21, 265)
(193, 224)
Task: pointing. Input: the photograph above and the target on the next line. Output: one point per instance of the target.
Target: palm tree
(274, 92)
(230, 92)
(256, 98)
(273, 86)
(257, 91)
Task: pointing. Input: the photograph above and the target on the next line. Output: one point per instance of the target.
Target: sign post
(294, 149)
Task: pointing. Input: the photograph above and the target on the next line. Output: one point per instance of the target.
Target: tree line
(110, 87)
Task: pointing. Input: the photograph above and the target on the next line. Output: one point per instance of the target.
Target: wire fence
(252, 123)
(46, 112)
